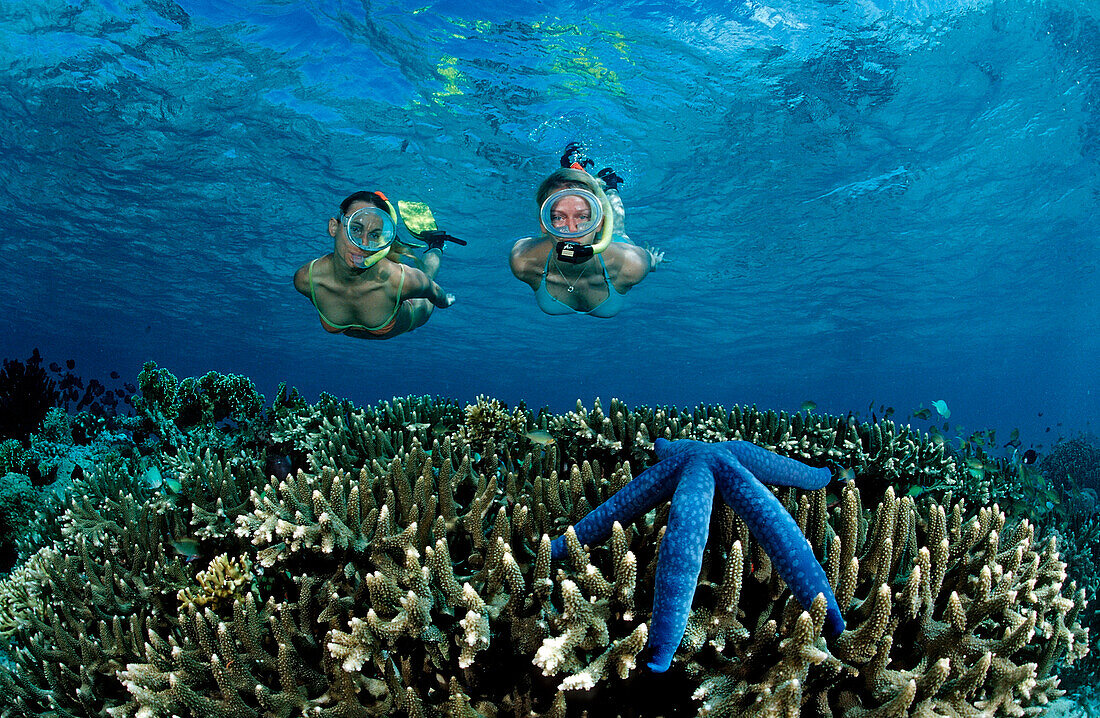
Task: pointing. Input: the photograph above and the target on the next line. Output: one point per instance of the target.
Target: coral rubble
(405, 569)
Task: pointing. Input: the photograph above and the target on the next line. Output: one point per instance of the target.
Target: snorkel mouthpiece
(573, 252)
(374, 259)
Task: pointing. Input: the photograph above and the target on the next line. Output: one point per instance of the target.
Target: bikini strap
(606, 277)
(312, 288)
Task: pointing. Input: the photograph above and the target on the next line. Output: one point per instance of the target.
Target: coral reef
(18, 500)
(1073, 463)
(405, 569)
(13, 457)
(26, 393)
(206, 400)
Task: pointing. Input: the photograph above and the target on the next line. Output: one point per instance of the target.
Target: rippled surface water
(861, 203)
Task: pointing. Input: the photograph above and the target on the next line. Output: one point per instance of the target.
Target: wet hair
(567, 177)
(363, 196)
(374, 199)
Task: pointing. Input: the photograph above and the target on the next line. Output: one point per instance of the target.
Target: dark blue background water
(860, 202)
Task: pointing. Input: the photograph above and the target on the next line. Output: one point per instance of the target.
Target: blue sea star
(688, 471)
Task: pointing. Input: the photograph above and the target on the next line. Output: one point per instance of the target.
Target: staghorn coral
(21, 594)
(396, 573)
(947, 617)
(18, 501)
(489, 426)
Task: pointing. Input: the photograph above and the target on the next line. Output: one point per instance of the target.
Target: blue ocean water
(862, 204)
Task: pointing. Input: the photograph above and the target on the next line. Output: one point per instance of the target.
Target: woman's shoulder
(530, 250)
(311, 271)
(626, 261)
(529, 245)
(528, 258)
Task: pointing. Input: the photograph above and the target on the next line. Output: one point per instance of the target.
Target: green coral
(52, 448)
(405, 570)
(157, 391)
(13, 457)
(205, 400)
(18, 500)
(56, 427)
(1073, 463)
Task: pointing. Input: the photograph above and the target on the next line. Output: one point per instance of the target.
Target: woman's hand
(656, 256)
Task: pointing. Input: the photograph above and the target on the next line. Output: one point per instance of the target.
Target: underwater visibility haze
(867, 210)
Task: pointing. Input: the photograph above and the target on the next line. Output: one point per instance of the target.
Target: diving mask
(370, 229)
(571, 213)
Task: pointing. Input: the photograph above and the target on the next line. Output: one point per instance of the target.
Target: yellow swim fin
(417, 217)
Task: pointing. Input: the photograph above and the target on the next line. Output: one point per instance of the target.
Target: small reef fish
(1029, 456)
(155, 480)
(941, 408)
(808, 406)
(541, 437)
(152, 478)
(848, 474)
(187, 547)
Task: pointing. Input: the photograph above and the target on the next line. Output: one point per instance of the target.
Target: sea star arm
(779, 536)
(679, 561)
(641, 494)
(771, 468)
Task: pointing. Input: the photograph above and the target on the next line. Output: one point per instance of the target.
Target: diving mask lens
(571, 213)
(370, 229)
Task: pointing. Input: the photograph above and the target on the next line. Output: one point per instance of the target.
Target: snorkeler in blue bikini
(583, 262)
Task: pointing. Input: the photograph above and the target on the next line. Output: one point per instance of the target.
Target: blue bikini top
(552, 305)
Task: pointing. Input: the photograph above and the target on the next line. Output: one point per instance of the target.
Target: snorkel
(567, 249)
(379, 248)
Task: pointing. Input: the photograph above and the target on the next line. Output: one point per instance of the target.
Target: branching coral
(406, 569)
(170, 406)
(21, 594)
(224, 582)
(13, 457)
(18, 500)
(932, 598)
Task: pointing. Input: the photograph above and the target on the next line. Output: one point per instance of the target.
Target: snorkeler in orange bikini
(362, 289)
